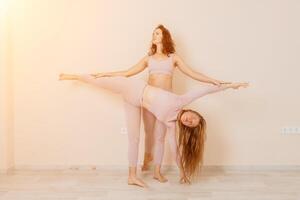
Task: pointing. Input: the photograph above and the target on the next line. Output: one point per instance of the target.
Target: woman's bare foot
(160, 177)
(147, 160)
(237, 85)
(63, 76)
(136, 181)
(157, 175)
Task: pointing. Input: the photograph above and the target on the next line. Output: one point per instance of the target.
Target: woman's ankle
(147, 158)
(157, 169)
(132, 171)
(148, 155)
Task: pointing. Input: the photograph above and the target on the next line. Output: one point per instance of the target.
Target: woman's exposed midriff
(162, 81)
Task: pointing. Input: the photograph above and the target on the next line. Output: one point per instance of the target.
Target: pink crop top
(161, 66)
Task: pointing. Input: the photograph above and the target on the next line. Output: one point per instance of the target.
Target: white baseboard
(90, 168)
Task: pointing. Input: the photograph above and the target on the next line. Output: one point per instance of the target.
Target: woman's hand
(237, 85)
(98, 75)
(184, 179)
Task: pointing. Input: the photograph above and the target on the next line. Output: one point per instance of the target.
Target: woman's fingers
(184, 180)
(100, 75)
(94, 75)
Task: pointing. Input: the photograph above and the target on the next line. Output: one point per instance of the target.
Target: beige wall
(6, 92)
(69, 123)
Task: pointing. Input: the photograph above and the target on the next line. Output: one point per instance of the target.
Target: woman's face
(190, 119)
(157, 36)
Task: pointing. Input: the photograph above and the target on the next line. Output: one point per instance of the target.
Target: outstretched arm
(193, 74)
(208, 89)
(137, 68)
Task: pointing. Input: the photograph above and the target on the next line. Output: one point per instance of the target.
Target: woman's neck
(159, 49)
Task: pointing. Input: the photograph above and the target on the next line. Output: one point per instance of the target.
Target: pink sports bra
(161, 66)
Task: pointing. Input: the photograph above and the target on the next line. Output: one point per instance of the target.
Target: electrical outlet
(290, 130)
(124, 131)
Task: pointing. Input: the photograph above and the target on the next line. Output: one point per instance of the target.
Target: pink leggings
(132, 92)
(155, 132)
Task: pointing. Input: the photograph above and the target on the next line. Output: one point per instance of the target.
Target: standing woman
(161, 61)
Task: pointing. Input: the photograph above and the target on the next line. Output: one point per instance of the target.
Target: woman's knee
(149, 119)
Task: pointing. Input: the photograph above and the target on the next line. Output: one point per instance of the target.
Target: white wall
(66, 123)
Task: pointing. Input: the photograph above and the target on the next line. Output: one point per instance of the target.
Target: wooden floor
(111, 184)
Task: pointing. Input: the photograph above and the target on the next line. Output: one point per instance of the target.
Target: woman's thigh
(149, 121)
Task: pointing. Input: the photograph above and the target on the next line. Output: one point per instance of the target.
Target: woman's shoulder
(146, 57)
(149, 55)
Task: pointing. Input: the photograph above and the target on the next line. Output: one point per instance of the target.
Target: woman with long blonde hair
(161, 61)
(167, 109)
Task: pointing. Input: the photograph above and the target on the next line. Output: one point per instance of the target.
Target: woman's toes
(160, 178)
(136, 181)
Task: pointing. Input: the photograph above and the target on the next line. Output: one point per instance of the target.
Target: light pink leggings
(132, 92)
(155, 132)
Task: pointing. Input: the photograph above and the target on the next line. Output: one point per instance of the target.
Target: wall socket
(124, 131)
(290, 130)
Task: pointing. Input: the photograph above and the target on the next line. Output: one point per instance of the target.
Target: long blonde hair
(191, 145)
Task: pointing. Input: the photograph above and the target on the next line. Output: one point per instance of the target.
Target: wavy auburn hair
(191, 145)
(167, 42)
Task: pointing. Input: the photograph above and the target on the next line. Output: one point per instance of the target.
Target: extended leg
(115, 84)
(130, 89)
(207, 89)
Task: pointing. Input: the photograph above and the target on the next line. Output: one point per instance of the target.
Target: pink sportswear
(163, 104)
